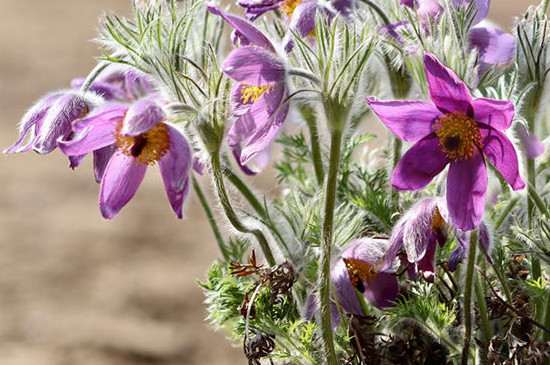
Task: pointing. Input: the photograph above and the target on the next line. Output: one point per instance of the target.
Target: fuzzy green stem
(326, 244)
(468, 297)
(317, 156)
(211, 219)
(230, 212)
(378, 11)
(485, 326)
(254, 202)
(544, 5)
(511, 204)
(96, 71)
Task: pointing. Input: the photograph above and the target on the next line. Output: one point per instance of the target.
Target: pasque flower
(418, 233)
(259, 97)
(356, 268)
(139, 136)
(51, 118)
(453, 130)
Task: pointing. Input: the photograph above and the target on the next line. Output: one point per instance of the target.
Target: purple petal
(263, 137)
(447, 91)
(456, 256)
(480, 8)
(75, 161)
(494, 45)
(93, 132)
(502, 154)
(106, 90)
(303, 18)
(409, 120)
(174, 168)
(382, 291)
(252, 34)
(485, 240)
(32, 119)
(419, 165)
(137, 83)
(426, 265)
(143, 115)
(530, 143)
(101, 159)
(254, 66)
(497, 114)
(417, 232)
(121, 179)
(57, 121)
(396, 243)
(466, 189)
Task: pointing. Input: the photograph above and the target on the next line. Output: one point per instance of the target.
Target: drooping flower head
(139, 136)
(453, 130)
(258, 98)
(52, 118)
(356, 268)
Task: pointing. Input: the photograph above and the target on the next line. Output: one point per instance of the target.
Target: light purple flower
(531, 144)
(455, 130)
(141, 138)
(419, 231)
(51, 118)
(259, 97)
(360, 259)
(485, 241)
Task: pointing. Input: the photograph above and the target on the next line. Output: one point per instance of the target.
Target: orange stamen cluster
(251, 93)
(360, 272)
(459, 136)
(147, 148)
(288, 6)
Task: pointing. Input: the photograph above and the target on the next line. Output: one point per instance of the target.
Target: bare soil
(74, 288)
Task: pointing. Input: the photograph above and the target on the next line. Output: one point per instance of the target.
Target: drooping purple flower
(356, 268)
(455, 130)
(51, 118)
(418, 232)
(138, 137)
(259, 97)
(531, 144)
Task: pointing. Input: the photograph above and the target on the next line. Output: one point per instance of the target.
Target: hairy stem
(211, 219)
(230, 212)
(378, 11)
(97, 70)
(326, 244)
(468, 297)
(544, 5)
(396, 156)
(317, 157)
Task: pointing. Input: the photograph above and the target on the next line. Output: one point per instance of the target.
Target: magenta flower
(455, 130)
(259, 98)
(139, 137)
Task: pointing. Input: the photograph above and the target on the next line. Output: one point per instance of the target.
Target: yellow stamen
(288, 6)
(459, 136)
(147, 148)
(251, 93)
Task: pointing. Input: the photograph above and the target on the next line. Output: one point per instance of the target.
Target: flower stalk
(468, 297)
(337, 131)
(230, 212)
(317, 157)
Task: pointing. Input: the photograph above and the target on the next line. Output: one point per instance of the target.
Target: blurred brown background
(74, 288)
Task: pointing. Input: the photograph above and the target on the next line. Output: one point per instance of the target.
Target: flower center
(251, 93)
(288, 6)
(459, 136)
(148, 147)
(360, 272)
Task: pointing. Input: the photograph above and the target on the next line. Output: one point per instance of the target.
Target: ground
(74, 288)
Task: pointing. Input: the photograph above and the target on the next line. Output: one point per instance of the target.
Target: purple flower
(51, 118)
(132, 137)
(455, 130)
(419, 232)
(259, 97)
(531, 144)
(356, 268)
